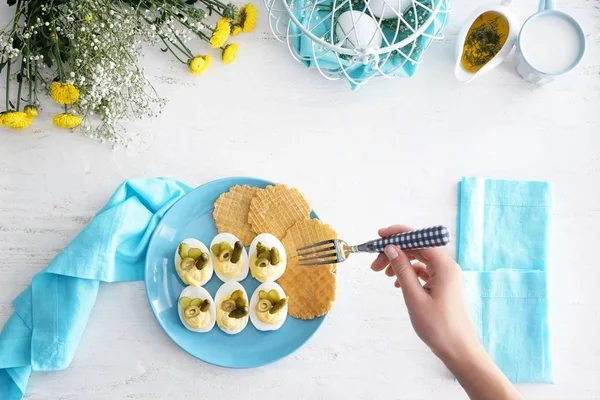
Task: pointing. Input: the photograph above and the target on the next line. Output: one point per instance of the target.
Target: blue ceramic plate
(191, 216)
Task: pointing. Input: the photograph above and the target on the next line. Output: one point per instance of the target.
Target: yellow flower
(89, 17)
(220, 34)
(236, 30)
(199, 64)
(229, 53)
(15, 120)
(207, 62)
(66, 120)
(64, 93)
(247, 16)
(31, 111)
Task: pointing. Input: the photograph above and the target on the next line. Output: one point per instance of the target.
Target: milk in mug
(550, 43)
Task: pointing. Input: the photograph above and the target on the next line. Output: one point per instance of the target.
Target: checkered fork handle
(435, 236)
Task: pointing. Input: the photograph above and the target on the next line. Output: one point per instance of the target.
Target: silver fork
(336, 250)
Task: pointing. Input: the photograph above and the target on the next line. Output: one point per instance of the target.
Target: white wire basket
(358, 39)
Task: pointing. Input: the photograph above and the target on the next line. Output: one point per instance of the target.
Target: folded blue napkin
(51, 314)
(502, 247)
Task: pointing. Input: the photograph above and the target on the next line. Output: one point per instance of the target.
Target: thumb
(411, 287)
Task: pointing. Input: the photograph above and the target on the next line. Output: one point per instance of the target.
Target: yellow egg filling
(227, 269)
(269, 318)
(193, 276)
(263, 273)
(226, 322)
(199, 321)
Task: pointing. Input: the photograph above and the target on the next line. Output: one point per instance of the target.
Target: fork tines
(320, 253)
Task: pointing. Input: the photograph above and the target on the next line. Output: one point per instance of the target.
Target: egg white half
(195, 244)
(270, 241)
(258, 324)
(225, 292)
(231, 239)
(198, 292)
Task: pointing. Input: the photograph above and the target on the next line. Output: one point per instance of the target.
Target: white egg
(224, 293)
(260, 325)
(198, 292)
(387, 9)
(271, 272)
(230, 239)
(355, 29)
(195, 277)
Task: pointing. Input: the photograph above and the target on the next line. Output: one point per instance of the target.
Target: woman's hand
(431, 283)
(437, 307)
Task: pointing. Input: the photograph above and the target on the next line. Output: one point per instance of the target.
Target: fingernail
(391, 252)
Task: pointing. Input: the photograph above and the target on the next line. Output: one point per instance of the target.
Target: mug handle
(546, 5)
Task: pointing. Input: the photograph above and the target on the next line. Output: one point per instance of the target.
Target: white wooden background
(391, 152)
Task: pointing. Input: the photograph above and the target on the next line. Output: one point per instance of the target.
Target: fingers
(411, 287)
(380, 263)
(389, 271)
(394, 229)
(423, 255)
(420, 270)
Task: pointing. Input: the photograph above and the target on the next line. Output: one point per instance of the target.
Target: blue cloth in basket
(51, 314)
(314, 56)
(502, 247)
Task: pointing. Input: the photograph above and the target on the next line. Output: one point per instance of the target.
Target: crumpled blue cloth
(51, 314)
(502, 247)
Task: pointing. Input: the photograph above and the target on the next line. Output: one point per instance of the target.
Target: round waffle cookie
(231, 212)
(304, 233)
(310, 290)
(276, 208)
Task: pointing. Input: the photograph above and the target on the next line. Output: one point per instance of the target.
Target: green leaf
(47, 59)
(17, 42)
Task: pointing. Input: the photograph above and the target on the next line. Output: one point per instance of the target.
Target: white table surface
(391, 152)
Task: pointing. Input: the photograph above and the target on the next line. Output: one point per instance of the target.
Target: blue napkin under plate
(51, 314)
(502, 247)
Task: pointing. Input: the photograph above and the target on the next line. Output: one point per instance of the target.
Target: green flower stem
(56, 50)
(7, 84)
(20, 83)
(30, 87)
(180, 49)
(35, 83)
(171, 50)
(14, 27)
(214, 3)
(189, 52)
(197, 32)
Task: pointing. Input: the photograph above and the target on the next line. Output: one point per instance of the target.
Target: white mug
(541, 62)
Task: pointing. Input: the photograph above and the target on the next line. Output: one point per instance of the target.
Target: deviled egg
(193, 262)
(231, 301)
(268, 307)
(267, 258)
(196, 309)
(229, 257)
